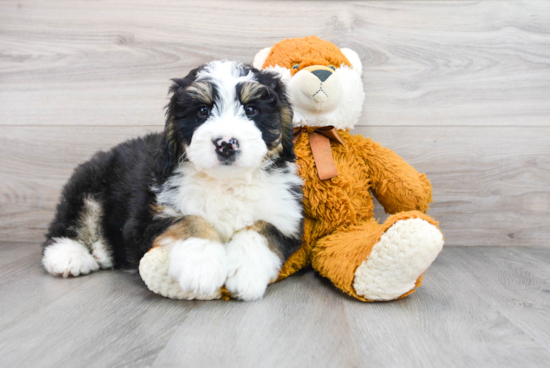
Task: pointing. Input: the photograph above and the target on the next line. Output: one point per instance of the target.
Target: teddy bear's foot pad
(401, 255)
(153, 269)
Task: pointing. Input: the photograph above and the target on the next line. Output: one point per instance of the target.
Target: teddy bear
(342, 240)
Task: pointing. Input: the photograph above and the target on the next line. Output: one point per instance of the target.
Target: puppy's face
(227, 118)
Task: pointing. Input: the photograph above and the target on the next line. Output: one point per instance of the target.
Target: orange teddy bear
(342, 239)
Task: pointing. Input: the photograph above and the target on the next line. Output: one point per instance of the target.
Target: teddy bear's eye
(296, 66)
(332, 67)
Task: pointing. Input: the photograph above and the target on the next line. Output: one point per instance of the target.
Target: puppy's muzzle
(227, 149)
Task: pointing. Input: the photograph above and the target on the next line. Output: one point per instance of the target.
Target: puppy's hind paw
(67, 257)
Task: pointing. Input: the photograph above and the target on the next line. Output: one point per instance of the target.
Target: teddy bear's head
(324, 82)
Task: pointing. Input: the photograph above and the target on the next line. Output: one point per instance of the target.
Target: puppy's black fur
(123, 179)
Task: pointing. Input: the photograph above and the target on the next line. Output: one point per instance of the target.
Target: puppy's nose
(226, 148)
(321, 74)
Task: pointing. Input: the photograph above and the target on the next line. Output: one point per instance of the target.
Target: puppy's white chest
(233, 204)
(229, 205)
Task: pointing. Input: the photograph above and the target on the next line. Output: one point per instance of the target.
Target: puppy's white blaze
(233, 204)
(199, 265)
(251, 265)
(225, 75)
(226, 70)
(67, 257)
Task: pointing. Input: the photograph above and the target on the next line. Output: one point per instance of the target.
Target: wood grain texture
(477, 307)
(456, 320)
(107, 319)
(490, 184)
(460, 89)
(425, 62)
(520, 282)
(305, 320)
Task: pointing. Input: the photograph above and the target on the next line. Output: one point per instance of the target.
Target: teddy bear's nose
(322, 74)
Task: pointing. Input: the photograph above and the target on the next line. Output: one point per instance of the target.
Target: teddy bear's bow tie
(319, 140)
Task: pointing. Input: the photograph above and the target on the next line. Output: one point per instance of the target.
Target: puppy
(218, 186)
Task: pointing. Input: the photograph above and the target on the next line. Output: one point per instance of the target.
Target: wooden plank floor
(479, 306)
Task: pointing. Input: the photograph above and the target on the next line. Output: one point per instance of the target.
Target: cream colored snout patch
(316, 89)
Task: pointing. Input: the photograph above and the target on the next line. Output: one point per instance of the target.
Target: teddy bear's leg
(409, 244)
(378, 262)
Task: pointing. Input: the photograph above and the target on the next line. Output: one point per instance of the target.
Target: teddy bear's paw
(67, 257)
(199, 266)
(401, 255)
(251, 265)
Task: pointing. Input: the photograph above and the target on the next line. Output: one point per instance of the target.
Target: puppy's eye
(296, 66)
(250, 111)
(204, 112)
(332, 67)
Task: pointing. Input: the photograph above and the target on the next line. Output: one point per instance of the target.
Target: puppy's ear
(171, 149)
(288, 128)
(279, 88)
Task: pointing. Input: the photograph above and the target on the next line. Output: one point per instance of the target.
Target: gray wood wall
(460, 89)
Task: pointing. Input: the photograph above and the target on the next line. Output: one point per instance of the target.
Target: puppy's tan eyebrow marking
(250, 91)
(201, 91)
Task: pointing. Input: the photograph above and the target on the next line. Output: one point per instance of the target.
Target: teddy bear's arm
(396, 184)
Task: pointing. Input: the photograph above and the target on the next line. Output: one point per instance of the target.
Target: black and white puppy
(218, 186)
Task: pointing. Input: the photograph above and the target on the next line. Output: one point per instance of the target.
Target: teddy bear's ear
(353, 59)
(260, 58)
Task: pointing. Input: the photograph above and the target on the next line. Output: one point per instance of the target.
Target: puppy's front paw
(199, 266)
(251, 265)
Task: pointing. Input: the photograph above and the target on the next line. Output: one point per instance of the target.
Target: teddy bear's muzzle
(316, 89)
